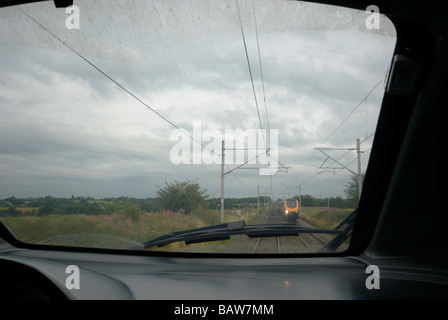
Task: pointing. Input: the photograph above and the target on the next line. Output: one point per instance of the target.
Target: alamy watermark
(373, 20)
(72, 21)
(240, 147)
(74, 278)
(373, 280)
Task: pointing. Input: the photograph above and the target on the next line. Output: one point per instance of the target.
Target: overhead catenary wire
(331, 177)
(351, 149)
(261, 74)
(343, 155)
(151, 108)
(266, 139)
(348, 116)
(248, 65)
(115, 82)
(326, 139)
(343, 121)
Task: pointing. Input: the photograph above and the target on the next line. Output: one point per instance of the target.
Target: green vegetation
(321, 216)
(335, 202)
(183, 196)
(91, 222)
(108, 222)
(88, 228)
(112, 229)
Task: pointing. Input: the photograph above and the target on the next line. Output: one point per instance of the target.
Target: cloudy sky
(66, 128)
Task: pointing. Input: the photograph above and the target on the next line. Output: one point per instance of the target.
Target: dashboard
(39, 274)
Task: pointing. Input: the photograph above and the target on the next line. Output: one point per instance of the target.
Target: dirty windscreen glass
(123, 121)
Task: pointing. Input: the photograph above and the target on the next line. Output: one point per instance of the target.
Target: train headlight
(286, 211)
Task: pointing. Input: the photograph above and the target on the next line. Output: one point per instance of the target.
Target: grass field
(320, 216)
(122, 230)
(116, 230)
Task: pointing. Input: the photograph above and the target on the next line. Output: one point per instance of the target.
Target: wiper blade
(337, 241)
(224, 231)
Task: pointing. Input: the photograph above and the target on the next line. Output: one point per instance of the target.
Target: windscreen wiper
(223, 231)
(336, 242)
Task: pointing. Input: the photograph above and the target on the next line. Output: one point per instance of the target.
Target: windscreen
(122, 121)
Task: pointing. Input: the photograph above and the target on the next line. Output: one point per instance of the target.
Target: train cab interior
(399, 228)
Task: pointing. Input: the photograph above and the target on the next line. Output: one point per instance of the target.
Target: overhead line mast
(358, 152)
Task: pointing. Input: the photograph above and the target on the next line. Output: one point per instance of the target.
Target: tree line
(50, 205)
(334, 202)
(41, 206)
(184, 196)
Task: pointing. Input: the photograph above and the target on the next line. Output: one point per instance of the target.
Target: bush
(182, 197)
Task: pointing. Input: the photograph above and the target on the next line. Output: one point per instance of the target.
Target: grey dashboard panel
(114, 276)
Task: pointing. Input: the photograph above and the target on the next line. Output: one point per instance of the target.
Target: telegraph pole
(222, 182)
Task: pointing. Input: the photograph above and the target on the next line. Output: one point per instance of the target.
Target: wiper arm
(337, 241)
(223, 231)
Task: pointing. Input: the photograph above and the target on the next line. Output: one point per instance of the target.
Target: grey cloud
(62, 118)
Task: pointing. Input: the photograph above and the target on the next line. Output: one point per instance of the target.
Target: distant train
(291, 209)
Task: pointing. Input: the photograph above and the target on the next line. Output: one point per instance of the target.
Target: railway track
(312, 241)
(268, 245)
(302, 243)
